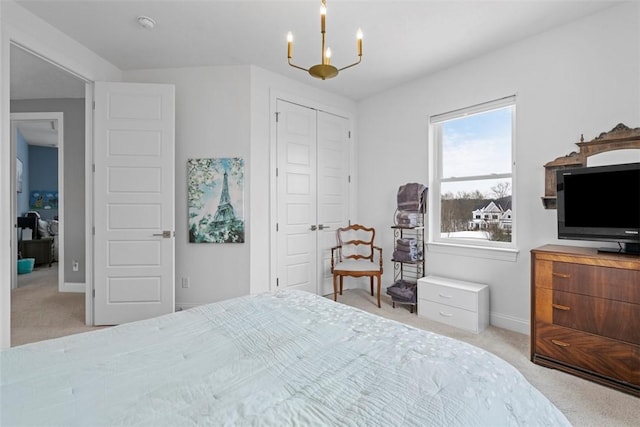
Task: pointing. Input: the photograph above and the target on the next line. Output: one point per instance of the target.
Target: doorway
(37, 145)
(46, 97)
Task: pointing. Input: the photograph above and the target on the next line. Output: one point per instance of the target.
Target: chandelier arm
(352, 65)
(295, 66)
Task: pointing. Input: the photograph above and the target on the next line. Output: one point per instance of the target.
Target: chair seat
(358, 265)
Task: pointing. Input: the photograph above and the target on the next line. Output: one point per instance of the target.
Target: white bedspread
(287, 358)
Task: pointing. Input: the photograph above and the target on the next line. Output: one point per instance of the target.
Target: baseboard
(74, 287)
(511, 323)
(186, 305)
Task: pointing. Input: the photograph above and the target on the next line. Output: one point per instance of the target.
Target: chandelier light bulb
(289, 45)
(323, 17)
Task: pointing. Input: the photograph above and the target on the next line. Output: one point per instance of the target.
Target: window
(472, 180)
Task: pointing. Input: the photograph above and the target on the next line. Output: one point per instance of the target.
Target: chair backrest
(356, 242)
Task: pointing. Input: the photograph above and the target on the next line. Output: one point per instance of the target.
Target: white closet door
(312, 194)
(333, 190)
(296, 206)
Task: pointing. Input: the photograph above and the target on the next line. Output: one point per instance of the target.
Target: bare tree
(501, 189)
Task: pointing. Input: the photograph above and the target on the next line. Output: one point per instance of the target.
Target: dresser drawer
(596, 315)
(604, 282)
(600, 355)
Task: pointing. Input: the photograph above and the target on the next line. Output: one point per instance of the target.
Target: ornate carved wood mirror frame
(619, 138)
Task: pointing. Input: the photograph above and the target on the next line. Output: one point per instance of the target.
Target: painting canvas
(19, 175)
(216, 200)
(40, 199)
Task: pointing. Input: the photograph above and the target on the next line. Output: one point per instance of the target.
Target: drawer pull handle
(561, 275)
(445, 296)
(446, 314)
(560, 343)
(561, 307)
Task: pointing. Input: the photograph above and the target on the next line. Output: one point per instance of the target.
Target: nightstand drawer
(452, 296)
(454, 302)
(453, 316)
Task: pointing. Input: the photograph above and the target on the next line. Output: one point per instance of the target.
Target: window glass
(473, 183)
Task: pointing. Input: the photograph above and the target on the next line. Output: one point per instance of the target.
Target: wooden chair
(356, 256)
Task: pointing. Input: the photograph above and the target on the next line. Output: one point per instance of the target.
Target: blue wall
(43, 174)
(22, 153)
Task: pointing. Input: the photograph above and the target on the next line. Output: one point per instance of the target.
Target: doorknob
(166, 234)
(313, 227)
(322, 226)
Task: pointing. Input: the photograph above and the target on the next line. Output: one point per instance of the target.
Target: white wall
(225, 112)
(579, 78)
(19, 26)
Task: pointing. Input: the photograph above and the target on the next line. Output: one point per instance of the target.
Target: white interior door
(313, 192)
(296, 186)
(134, 198)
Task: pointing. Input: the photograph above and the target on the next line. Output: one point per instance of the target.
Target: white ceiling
(403, 40)
(39, 132)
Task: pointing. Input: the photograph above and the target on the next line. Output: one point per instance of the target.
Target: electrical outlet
(76, 265)
(186, 282)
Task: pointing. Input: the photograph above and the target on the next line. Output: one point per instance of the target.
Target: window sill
(500, 254)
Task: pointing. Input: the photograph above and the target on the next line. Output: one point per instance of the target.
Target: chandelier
(324, 70)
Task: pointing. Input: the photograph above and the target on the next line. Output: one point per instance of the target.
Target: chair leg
(335, 288)
(379, 280)
(341, 277)
(371, 284)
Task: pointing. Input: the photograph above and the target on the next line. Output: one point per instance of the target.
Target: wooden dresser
(585, 314)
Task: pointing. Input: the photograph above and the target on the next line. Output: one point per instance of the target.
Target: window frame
(436, 179)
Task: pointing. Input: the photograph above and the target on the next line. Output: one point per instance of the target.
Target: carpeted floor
(584, 403)
(39, 311)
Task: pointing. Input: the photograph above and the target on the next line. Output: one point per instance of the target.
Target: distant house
(483, 217)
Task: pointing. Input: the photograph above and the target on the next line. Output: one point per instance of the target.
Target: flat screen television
(600, 203)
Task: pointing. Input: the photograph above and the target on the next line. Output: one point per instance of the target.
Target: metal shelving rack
(409, 271)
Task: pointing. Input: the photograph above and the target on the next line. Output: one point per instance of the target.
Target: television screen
(599, 203)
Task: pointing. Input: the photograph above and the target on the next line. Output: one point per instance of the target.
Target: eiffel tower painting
(211, 180)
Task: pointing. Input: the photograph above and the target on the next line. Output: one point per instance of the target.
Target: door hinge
(277, 227)
(349, 134)
(277, 171)
(94, 168)
(349, 179)
(94, 293)
(277, 282)
(93, 230)
(94, 105)
(277, 116)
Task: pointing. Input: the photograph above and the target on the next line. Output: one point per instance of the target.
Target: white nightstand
(464, 305)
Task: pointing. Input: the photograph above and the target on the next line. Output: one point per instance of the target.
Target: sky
(474, 145)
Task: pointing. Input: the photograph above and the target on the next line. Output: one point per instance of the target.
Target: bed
(282, 358)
